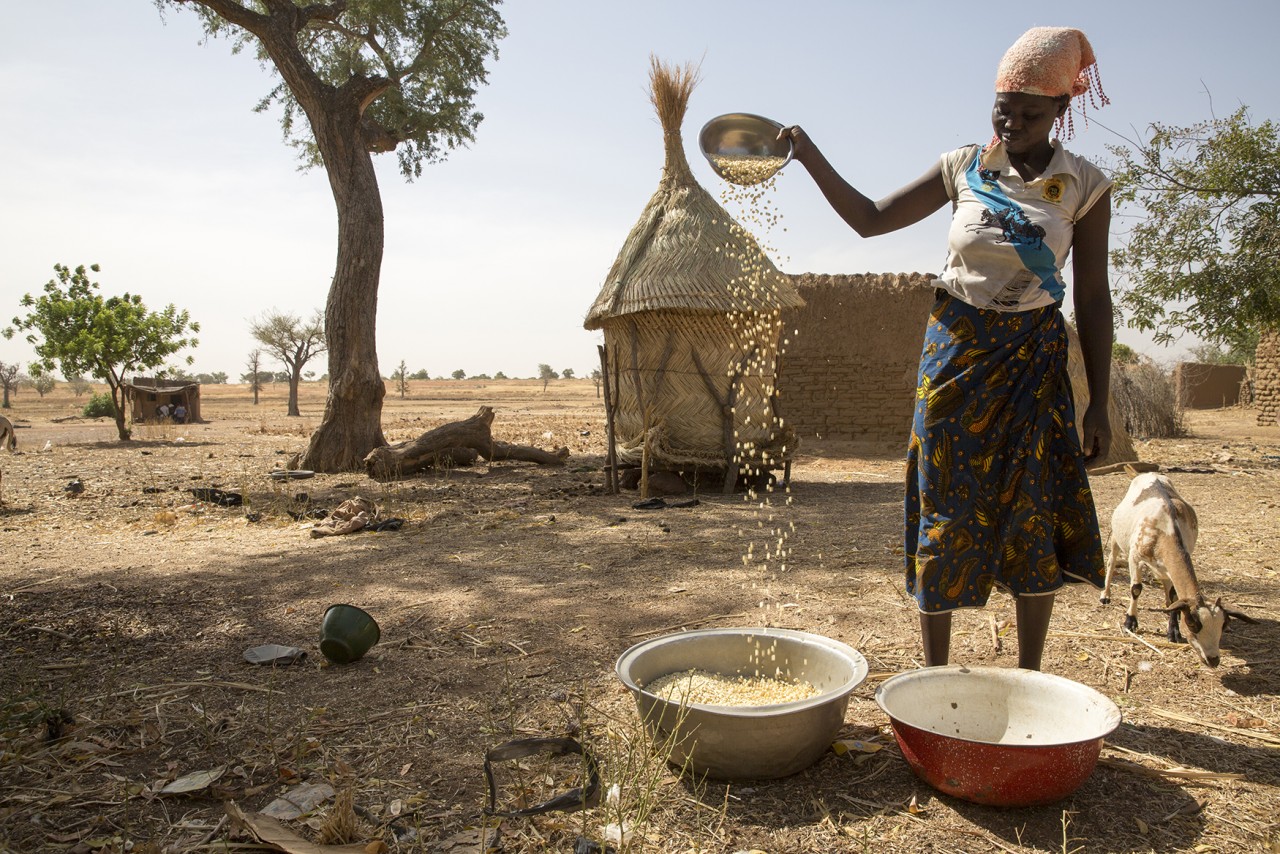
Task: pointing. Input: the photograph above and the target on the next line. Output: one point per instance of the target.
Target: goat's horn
(1180, 605)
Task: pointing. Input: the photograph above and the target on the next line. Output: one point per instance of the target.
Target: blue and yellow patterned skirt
(997, 493)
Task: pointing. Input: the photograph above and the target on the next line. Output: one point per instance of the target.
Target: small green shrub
(100, 406)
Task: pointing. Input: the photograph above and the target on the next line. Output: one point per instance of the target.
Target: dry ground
(505, 599)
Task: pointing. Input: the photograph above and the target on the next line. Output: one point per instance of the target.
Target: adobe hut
(851, 369)
(145, 395)
(691, 315)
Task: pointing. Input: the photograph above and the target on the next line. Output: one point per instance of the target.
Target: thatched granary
(691, 313)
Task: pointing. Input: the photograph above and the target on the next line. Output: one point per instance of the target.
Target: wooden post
(611, 447)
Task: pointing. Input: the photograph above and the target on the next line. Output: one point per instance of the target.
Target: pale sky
(129, 144)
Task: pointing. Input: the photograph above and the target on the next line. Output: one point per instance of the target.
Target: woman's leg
(1033, 614)
(935, 631)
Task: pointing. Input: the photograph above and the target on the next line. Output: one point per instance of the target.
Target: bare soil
(504, 600)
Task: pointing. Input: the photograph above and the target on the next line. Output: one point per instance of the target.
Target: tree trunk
(294, 378)
(352, 422)
(117, 398)
(435, 446)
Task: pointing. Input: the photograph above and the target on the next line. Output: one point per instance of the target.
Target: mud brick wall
(1201, 386)
(849, 370)
(1266, 378)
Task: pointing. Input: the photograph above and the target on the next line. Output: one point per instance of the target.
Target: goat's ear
(1186, 607)
(1228, 613)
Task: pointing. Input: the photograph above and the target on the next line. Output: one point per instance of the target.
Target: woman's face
(1023, 122)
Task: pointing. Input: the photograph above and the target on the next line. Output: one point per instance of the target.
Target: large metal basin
(998, 736)
(745, 742)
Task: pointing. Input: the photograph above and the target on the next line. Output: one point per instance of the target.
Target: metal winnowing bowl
(744, 148)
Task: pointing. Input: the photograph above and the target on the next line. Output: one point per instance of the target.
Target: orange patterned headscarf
(1053, 61)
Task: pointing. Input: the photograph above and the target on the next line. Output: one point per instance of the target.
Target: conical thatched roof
(686, 253)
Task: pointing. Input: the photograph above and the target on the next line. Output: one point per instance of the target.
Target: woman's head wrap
(1053, 61)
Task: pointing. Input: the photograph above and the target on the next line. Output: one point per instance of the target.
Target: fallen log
(453, 444)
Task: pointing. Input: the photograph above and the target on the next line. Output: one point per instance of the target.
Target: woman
(997, 493)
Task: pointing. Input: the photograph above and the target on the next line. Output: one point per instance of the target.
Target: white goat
(1154, 529)
(8, 437)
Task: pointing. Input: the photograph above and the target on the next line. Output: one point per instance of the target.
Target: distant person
(179, 414)
(162, 411)
(996, 490)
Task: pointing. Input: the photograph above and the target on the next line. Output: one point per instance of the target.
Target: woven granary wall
(849, 370)
(672, 372)
(1266, 372)
(1201, 386)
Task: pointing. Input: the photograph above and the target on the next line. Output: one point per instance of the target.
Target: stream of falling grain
(748, 196)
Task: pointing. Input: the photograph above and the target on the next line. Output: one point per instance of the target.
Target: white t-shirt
(1009, 239)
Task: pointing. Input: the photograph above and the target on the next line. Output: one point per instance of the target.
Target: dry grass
(504, 602)
(1145, 395)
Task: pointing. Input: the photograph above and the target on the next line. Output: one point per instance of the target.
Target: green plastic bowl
(347, 633)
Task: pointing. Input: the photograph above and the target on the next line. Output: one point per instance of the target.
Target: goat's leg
(1174, 632)
(1131, 615)
(1113, 559)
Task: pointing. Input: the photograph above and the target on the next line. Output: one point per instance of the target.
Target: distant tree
(459, 374)
(420, 374)
(293, 341)
(401, 379)
(499, 376)
(1203, 252)
(254, 376)
(76, 330)
(598, 379)
(214, 378)
(481, 377)
(79, 385)
(546, 373)
(310, 375)
(9, 380)
(363, 77)
(1219, 354)
(567, 373)
(43, 382)
(1123, 354)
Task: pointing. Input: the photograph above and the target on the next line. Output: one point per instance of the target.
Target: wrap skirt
(996, 489)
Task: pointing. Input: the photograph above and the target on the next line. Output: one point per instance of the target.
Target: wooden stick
(685, 624)
(1187, 719)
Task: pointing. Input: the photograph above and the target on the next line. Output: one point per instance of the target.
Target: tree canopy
(1202, 253)
(80, 332)
(358, 78)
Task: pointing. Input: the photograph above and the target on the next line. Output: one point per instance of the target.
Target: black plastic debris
(217, 496)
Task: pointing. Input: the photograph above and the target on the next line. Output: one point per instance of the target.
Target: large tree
(1202, 251)
(10, 379)
(77, 330)
(293, 341)
(369, 76)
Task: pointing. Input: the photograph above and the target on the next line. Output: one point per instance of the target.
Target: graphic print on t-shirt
(1004, 215)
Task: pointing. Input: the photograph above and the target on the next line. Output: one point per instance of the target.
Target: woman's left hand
(1097, 431)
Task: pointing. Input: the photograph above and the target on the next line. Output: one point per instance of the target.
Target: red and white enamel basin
(998, 736)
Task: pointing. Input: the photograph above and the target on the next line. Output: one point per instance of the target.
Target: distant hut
(691, 314)
(145, 395)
